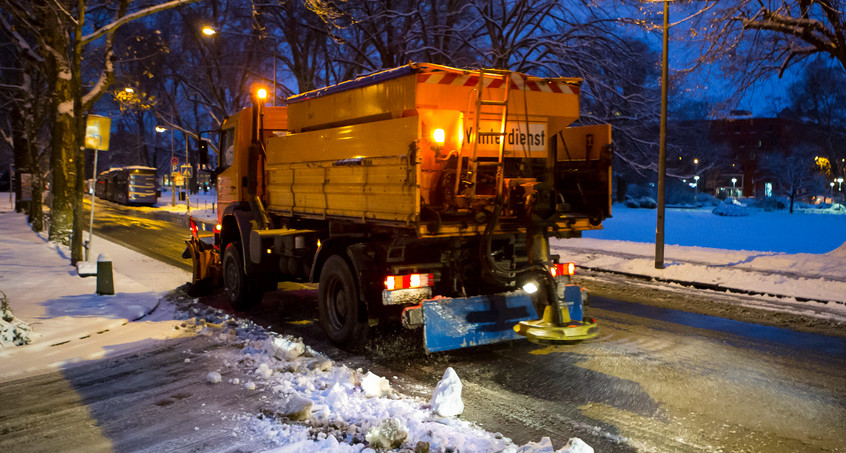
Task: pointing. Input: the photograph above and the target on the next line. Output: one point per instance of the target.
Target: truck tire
(342, 315)
(244, 293)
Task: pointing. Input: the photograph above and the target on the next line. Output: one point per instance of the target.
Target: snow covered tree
(794, 172)
(64, 32)
(758, 38)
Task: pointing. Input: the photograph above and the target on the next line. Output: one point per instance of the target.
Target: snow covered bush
(642, 202)
(13, 331)
(768, 203)
(731, 208)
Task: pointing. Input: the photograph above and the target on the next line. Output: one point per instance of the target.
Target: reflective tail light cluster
(393, 282)
(562, 269)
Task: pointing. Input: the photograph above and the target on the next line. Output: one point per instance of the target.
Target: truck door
(227, 179)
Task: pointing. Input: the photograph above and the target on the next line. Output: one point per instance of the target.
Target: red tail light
(393, 282)
(562, 269)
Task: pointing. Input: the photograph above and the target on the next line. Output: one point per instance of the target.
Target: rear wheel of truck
(242, 294)
(342, 315)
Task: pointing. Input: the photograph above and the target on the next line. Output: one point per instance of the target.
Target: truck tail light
(393, 282)
(562, 269)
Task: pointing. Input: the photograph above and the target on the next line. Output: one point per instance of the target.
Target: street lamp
(662, 142)
(831, 184)
(733, 189)
(172, 187)
(208, 31)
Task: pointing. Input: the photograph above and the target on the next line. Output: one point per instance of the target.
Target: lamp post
(172, 187)
(840, 185)
(831, 184)
(208, 31)
(662, 143)
(733, 189)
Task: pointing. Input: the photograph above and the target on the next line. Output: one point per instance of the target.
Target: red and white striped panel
(492, 81)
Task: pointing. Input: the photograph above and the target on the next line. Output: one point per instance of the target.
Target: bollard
(105, 283)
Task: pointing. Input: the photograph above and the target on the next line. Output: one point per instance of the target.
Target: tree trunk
(63, 169)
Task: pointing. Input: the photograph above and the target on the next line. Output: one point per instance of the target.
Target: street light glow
(160, 129)
(129, 90)
(208, 31)
(261, 93)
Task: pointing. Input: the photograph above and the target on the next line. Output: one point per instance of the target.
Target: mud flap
(459, 323)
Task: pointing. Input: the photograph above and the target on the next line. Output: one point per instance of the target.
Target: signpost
(97, 131)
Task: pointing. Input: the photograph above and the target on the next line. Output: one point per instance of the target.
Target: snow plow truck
(424, 195)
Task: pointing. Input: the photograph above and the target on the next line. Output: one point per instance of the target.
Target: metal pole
(91, 222)
(275, 44)
(662, 146)
(172, 182)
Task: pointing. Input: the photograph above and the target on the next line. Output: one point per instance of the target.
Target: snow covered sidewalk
(46, 292)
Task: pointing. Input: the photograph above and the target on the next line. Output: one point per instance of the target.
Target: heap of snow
(310, 403)
(731, 208)
(13, 331)
(446, 399)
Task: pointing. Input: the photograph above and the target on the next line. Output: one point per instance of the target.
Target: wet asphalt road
(656, 379)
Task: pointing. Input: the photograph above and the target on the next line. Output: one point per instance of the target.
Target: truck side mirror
(204, 154)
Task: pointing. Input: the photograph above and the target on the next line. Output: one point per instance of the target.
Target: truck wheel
(341, 312)
(242, 294)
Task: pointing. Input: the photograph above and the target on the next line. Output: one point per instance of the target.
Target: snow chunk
(390, 434)
(295, 408)
(375, 386)
(446, 399)
(264, 371)
(213, 377)
(284, 349)
(250, 385)
(574, 445)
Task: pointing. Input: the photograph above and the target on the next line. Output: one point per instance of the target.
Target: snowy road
(655, 380)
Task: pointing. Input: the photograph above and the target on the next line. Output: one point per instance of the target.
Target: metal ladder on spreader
(505, 77)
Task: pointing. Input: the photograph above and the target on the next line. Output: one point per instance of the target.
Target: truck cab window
(227, 146)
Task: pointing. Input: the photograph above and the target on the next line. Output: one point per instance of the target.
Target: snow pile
(313, 404)
(731, 208)
(446, 400)
(13, 331)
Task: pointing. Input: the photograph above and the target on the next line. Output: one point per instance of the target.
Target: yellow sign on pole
(97, 130)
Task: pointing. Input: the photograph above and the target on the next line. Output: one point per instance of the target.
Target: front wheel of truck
(243, 293)
(342, 315)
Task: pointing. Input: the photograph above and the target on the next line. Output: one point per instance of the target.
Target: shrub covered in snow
(13, 331)
(642, 202)
(768, 203)
(731, 208)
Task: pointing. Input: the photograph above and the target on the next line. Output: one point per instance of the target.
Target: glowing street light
(733, 189)
(831, 184)
(162, 129)
(129, 90)
(208, 31)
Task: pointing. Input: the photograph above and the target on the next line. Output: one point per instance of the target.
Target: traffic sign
(174, 161)
(186, 171)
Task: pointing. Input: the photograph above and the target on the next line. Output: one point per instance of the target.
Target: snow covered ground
(800, 256)
(47, 296)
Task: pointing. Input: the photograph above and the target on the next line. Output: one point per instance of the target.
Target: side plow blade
(473, 321)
